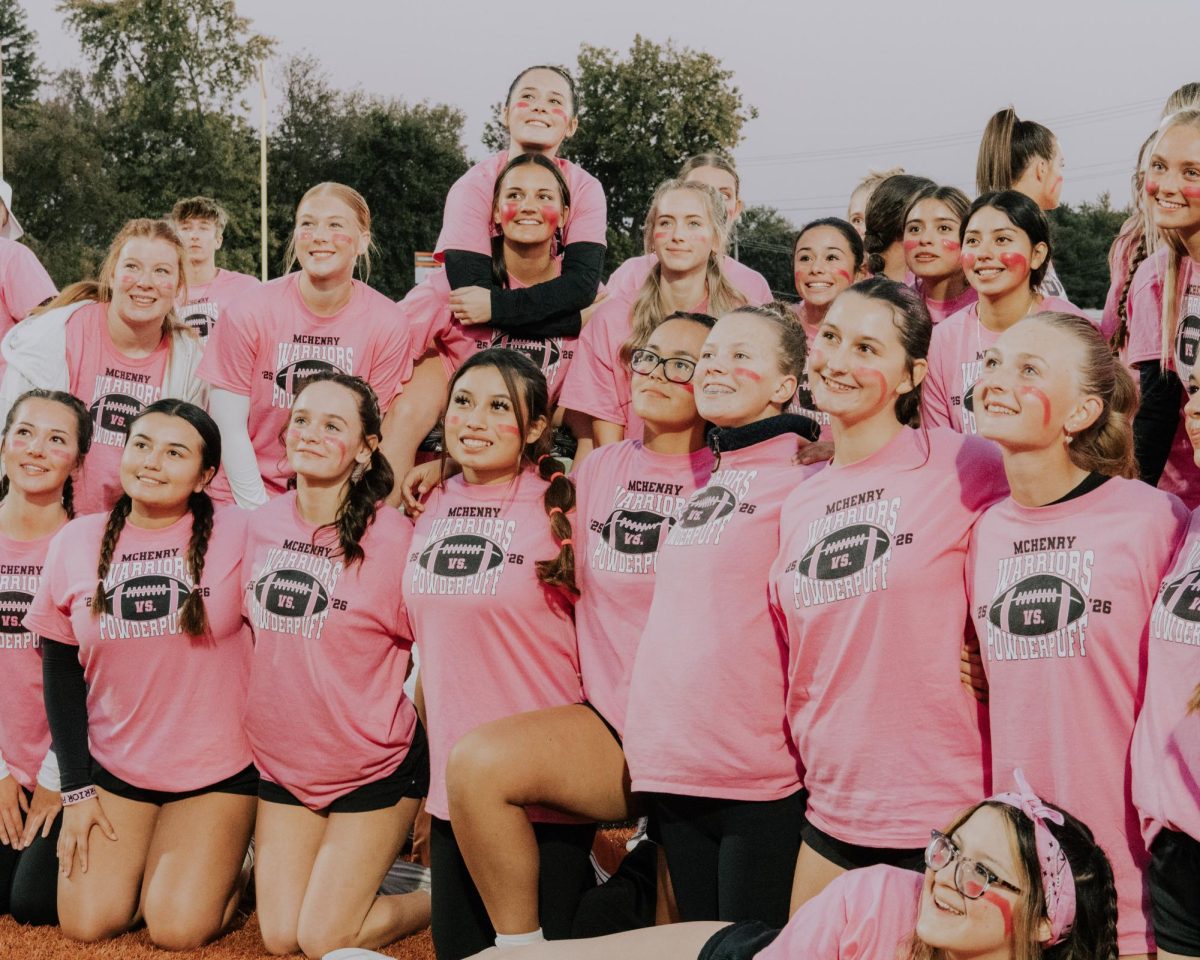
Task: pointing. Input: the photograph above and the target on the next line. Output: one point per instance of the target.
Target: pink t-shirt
(205, 301)
(1061, 596)
(427, 309)
(866, 914)
(870, 583)
(164, 708)
(1166, 740)
(1180, 476)
(706, 714)
(626, 281)
(955, 362)
(326, 711)
(24, 283)
(268, 341)
(628, 497)
(115, 388)
(467, 220)
(599, 384)
(494, 640)
(24, 731)
(939, 310)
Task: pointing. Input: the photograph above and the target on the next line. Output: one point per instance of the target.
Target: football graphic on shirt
(199, 322)
(461, 555)
(969, 399)
(544, 353)
(289, 377)
(633, 531)
(845, 552)
(1037, 605)
(13, 606)
(1180, 597)
(291, 593)
(711, 503)
(1187, 343)
(115, 411)
(146, 598)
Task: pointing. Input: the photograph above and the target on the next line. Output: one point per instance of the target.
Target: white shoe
(355, 953)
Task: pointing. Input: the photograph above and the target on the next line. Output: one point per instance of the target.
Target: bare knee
(480, 770)
(181, 932)
(278, 939)
(321, 935)
(91, 925)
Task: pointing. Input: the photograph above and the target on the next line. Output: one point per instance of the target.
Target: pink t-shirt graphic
(24, 730)
(326, 711)
(164, 709)
(706, 715)
(956, 361)
(628, 497)
(115, 388)
(494, 640)
(206, 301)
(870, 583)
(268, 341)
(1166, 741)
(1061, 596)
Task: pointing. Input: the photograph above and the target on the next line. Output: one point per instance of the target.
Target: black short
(244, 783)
(608, 726)
(410, 779)
(1175, 892)
(739, 941)
(850, 856)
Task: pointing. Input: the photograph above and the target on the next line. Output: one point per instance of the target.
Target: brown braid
(559, 501)
(192, 615)
(1120, 335)
(1194, 703)
(112, 533)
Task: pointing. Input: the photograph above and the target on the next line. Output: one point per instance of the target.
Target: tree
(1081, 238)
(765, 239)
(402, 158)
(639, 118)
(22, 73)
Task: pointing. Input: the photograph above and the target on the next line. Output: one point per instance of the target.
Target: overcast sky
(839, 86)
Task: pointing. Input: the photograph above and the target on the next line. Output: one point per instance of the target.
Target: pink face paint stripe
(1041, 398)
(747, 373)
(508, 428)
(951, 245)
(1005, 908)
(1192, 193)
(844, 274)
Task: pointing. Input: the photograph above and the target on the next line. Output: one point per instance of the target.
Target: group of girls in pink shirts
(820, 577)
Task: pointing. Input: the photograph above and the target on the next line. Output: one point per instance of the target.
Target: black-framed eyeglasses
(675, 369)
(971, 878)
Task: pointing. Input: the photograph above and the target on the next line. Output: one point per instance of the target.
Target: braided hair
(193, 618)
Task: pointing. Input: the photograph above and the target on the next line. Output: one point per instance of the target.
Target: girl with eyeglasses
(1011, 878)
(1062, 576)
(629, 495)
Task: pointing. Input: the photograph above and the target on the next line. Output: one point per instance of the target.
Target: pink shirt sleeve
(865, 914)
(935, 401)
(588, 220)
(233, 347)
(467, 219)
(49, 615)
(597, 384)
(24, 283)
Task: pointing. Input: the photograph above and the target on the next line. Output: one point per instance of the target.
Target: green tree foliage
(22, 74)
(764, 239)
(1082, 236)
(402, 158)
(640, 117)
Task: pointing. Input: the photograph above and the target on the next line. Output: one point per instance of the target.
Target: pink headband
(1058, 884)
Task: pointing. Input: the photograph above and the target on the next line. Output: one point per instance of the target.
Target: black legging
(460, 922)
(731, 859)
(29, 879)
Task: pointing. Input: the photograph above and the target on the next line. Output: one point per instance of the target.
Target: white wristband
(78, 796)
